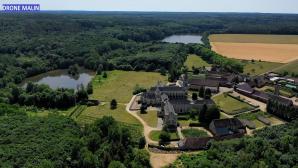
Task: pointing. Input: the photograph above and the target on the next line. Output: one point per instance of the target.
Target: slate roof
(282, 100)
(245, 87)
(168, 88)
(204, 82)
(262, 95)
(194, 143)
(227, 126)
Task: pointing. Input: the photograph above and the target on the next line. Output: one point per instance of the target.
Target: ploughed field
(271, 48)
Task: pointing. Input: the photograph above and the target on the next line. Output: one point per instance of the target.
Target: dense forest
(57, 141)
(35, 43)
(270, 147)
(39, 42)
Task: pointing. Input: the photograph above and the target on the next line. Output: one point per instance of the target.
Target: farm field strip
(270, 48)
(255, 38)
(281, 53)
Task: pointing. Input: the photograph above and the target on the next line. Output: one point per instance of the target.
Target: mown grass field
(154, 135)
(150, 118)
(257, 67)
(119, 85)
(254, 38)
(230, 105)
(90, 114)
(194, 133)
(291, 67)
(195, 61)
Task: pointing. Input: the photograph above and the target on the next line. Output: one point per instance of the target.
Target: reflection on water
(185, 39)
(61, 79)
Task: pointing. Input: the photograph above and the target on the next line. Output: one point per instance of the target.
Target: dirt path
(157, 160)
(160, 160)
(147, 128)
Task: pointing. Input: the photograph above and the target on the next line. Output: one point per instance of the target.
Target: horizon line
(135, 11)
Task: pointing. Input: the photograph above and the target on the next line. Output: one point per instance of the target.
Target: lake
(61, 79)
(185, 39)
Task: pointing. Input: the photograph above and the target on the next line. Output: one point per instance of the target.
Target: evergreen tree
(142, 142)
(90, 88)
(82, 93)
(208, 93)
(194, 96)
(211, 114)
(202, 113)
(164, 136)
(113, 104)
(105, 75)
(99, 69)
(202, 92)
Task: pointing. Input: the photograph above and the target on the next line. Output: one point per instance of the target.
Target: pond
(61, 79)
(185, 39)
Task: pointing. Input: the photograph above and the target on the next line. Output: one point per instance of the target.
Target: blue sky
(266, 6)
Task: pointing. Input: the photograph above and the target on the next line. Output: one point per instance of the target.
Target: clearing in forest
(259, 67)
(119, 85)
(195, 61)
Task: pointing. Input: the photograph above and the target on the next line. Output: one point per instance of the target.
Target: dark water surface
(185, 39)
(61, 79)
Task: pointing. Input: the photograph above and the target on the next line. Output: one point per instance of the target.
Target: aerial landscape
(142, 87)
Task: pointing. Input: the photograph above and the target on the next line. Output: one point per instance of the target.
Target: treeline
(281, 110)
(270, 147)
(36, 43)
(44, 96)
(217, 59)
(57, 141)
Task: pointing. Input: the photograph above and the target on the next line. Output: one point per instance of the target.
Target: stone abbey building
(172, 101)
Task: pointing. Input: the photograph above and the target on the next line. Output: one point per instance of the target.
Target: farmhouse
(227, 127)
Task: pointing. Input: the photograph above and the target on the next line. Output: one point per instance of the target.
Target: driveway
(147, 128)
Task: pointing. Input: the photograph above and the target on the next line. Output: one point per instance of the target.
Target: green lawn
(290, 68)
(119, 85)
(150, 118)
(45, 112)
(195, 61)
(194, 133)
(187, 122)
(230, 105)
(256, 67)
(282, 91)
(154, 135)
(90, 114)
(253, 116)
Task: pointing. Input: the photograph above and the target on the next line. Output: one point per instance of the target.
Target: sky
(263, 6)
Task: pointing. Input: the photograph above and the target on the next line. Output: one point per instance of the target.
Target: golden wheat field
(257, 47)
